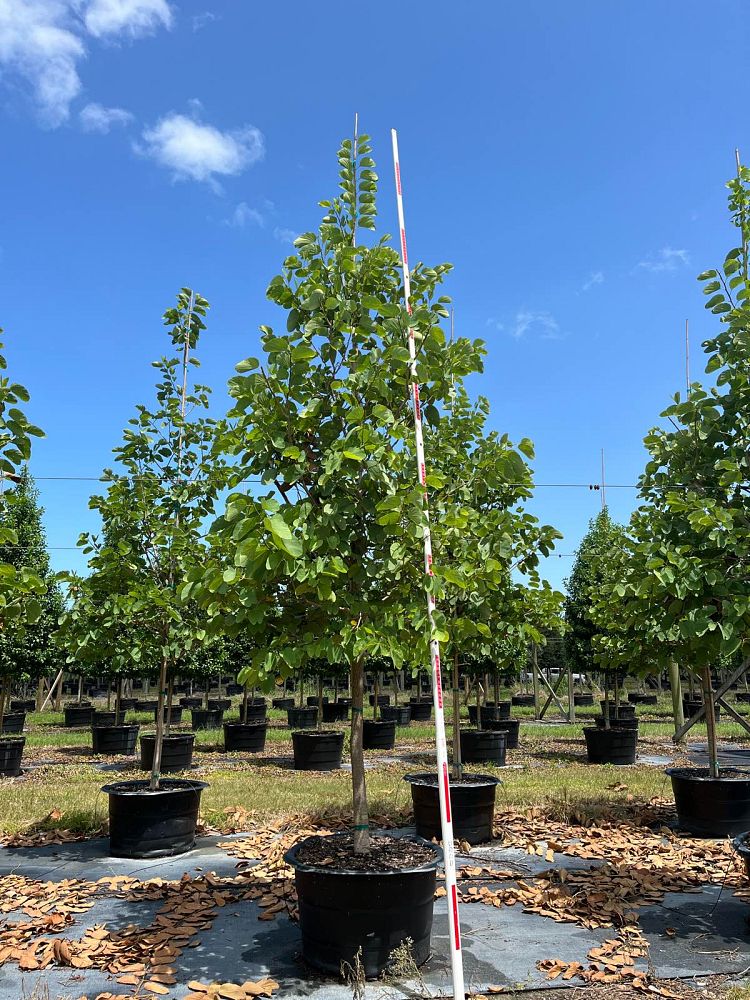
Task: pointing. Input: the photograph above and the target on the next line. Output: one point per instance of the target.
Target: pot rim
(139, 786)
(315, 733)
(121, 725)
(379, 722)
(489, 732)
(12, 738)
(253, 724)
(692, 774)
(430, 779)
(171, 736)
(291, 859)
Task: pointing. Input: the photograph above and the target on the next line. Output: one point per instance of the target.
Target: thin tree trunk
(535, 668)
(676, 684)
(39, 694)
(118, 699)
(479, 704)
(244, 705)
(708, 701)
(170, 696)
(571, 696)
(320, 701)
(606, 700)
(301, 693)
(159, 741)
(376, 706)
(360, 814)
(80, 689)
(457, 768)
(3, 700)
(58, 693)
(496, 683)
(109, 694)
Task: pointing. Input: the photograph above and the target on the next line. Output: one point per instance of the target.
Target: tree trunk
(3, 700)
(80, 689)
(676, 685)
(606, 700)
(320, 701)
(571, 696)
(479, 704)
(109, 694)
(376, 706)
(170, 697)
(301, 692)
(39, 694)
(58, 693)
(457, 767)
(360, 815)
(496, 687)
(159, 741)
(535, 668)
(708, 701)
(244, 705)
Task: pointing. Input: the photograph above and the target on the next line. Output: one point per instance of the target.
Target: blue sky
(569, 159)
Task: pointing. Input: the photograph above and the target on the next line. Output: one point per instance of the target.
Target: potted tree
(326, 562)
(154, 514)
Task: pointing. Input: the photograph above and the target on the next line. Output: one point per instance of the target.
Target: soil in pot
(11, 751)
(378, 734)
(114, 739)
(711, 807)
(78, 715)
(373, 901)
(13, 722)
(483, 746)
(206, 718)
(282, 703)
(158, 824)
(176, 752)
(317, 750)
(247, 737)
(335, 712)
(472, 806)
(421, 711)
(400, 714)
(611, 746)
(302, 718)
(510, 727)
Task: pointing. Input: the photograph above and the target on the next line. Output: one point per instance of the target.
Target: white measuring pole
(446, 821)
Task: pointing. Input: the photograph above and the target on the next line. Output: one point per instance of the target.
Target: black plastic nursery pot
(511, 729)
(128, 704)
(400, 714)
(743, 696)
(234, 689)
(317, 750)
(23, 704)
(472, 806)
(103, 718)
(253, 712)
(312, 700)
(638, 698)
(377, 734)
(617, 723)
(191, 701)
(489, 712)
(383, 699)
(176, 752)
(344, 701)
(740, 844)
(146, 704)
(692, 705)
(11, 751)
(335, 712)
(583, 700)
(206, 718)
(625, 710)
(78, 715)
(421, 711)
(282, 703)
(302, 718)
(523, 700)
(114, 739)
(483, 746)
(176, 717)
(13, 722)
(247, 737)
(223, 704)
(711, 807)
(159, 824)
(341, 911)
(611, 746)
(95, 692)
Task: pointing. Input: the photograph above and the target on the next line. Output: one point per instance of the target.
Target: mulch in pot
(387, 854)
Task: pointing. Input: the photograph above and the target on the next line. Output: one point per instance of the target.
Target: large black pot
(78, 715)
(617, 723)
(145, 824)
(249, 737)
(611, 746)
(489, 712)
(383, 699)
(583, 700)
(176, 715)
(343, 911)
(13, 722)
(625, 710)
(146, 704)
(23, 705)
(378, 734)
(400, 714)
(472, 806)
(206, 718)
(234, 689)
(483, 746)
(191, 701)
(344, 701)
(711, 807)
(176, 752)
(523, 700)
(223, 704)
(692, 705)
(253, 711)
(95, 692)
(638, 698)
(128, 704)
(508, 726)
(319, 750)
(114, 739)
(103, 718)
(302, 718)
(335, 712)
(11, 750)
(312, 700)
(743, 696)
(283, 703)
(421, 711)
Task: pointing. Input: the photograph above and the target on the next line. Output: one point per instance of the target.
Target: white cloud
(128, 17)
(667, 259)
(97, 118)
(244, 215)
(38, 45)
(535, 323)
(195, 151)
(201, 20)
(284, 235)
(595, 278)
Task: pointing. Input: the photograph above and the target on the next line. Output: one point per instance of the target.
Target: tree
(328, 562)
(154, 517)
(685, 589)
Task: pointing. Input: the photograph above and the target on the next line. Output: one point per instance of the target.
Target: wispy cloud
(127, 17)
(195, 151)
(284, 235)
(528, 323)
(244, 215)
(97, 118)
(203, 20)
(666, 259)
(595, 278)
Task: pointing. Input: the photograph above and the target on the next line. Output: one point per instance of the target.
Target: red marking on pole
(423, 474)
(398, 179)
(447, 789)
(456, 927)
